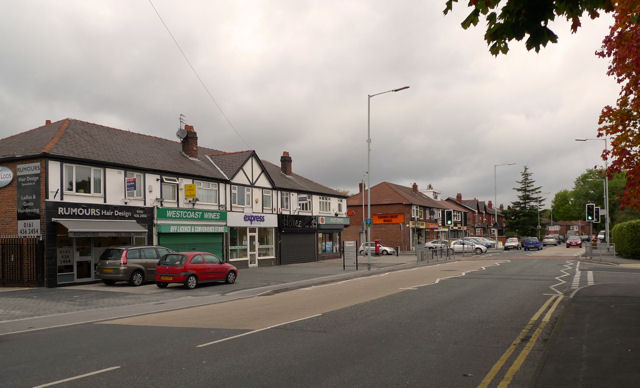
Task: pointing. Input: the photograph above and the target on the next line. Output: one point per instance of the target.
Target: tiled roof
(231, 162)
(458, 206)
(386, 193)
(295, 182)
(93, 143)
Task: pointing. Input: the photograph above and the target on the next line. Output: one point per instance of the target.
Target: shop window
(304, 203)
(135, 190)
(325, 205)
(284, 200)
(328, 242)
(207, 192)
(241, 196)
(82, 179)
(238, 243)
(266, 199)
(266, 248)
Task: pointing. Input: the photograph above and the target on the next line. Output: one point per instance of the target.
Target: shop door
(83, 260)
(253, 247)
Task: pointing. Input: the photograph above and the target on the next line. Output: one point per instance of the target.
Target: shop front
(192, 230)
(252, 239)
(418, 235)
(330, 236)
(78, 233)
(296, 236)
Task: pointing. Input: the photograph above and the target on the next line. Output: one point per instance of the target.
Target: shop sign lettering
(191, 214)
(174, 228)
(250, 218)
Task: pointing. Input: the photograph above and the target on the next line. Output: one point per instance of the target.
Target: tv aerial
(182, 133)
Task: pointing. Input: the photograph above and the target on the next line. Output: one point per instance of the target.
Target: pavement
(595, 342)
(595, 338)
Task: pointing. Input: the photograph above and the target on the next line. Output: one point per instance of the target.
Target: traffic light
(448, 217)
(591, 212)
(596, 215)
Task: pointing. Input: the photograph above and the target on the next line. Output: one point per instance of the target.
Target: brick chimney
(47, 122)
(190, 142)
(459, 197)
(501, 207)
(285, 163)
(360, 187)
(490, 205)
(415, 187)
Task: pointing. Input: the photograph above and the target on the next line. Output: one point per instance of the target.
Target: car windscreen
(111, 254)
(171, 259)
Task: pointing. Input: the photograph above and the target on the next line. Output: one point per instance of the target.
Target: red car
(574, 241)
(191, 268)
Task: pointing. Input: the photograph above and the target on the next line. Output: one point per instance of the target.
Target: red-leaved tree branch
(621, 123)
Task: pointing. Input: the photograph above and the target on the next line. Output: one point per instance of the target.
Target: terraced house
(79, 187)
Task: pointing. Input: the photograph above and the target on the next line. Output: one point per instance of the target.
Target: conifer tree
(521, 216)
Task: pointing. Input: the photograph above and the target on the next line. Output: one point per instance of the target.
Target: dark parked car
(529, 243)
(129, 263)
(192, 268)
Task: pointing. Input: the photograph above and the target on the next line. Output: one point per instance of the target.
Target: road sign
(369, 221)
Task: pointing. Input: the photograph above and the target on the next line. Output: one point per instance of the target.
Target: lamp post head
(399, 89)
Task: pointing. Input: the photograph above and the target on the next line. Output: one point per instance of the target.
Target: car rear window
(172, 259)
(111, 254)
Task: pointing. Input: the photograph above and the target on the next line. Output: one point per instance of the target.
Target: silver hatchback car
(132, 264)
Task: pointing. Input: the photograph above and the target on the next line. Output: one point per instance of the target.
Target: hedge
(626, 236)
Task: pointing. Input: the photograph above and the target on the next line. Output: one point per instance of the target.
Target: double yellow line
(517, 363)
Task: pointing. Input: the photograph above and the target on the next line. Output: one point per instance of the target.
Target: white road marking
(255, 331)
(576, 279)
(77, 377)
(567, 267)
(590, 281)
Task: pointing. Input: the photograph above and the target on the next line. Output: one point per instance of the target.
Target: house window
(82, 179)
(457, 216)
(325, 205)
(284, 200)
(304, 204)
(266, 199)
(240, 196)
(340, 206)
(134, 185)
(207, 192)
(420, 213)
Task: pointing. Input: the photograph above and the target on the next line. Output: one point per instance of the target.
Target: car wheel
(231, 277)
(361, 253)
(385, 252)
(136, 278)
(162, 284)
(109, 282)
(478, 251)
(191, 282)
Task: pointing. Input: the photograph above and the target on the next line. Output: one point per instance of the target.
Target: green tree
(518, 19)
(569, 205)
(563, 207)
(521, 217)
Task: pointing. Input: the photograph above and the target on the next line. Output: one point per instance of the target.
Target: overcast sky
(294, 75)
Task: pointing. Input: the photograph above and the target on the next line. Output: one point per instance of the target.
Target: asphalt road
(477, 321)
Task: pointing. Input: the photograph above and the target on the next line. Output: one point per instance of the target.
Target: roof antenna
(182, 133)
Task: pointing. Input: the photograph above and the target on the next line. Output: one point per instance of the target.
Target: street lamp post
(606, 186)
(495, 196)
(369, 167)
